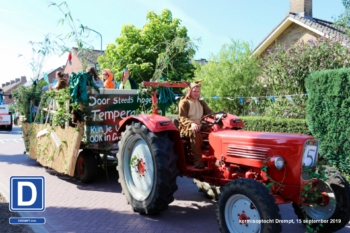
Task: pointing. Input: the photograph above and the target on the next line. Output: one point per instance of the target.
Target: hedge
(268, 124)
(327, 114)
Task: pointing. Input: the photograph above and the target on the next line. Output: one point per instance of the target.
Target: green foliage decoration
(79, 86)
(61, 115)
(328, 113)
(41, 50)
(27, 96)
(78, 34)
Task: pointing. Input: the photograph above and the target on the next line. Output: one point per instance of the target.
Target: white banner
(4, 109)
(5, 120)
(289, 98)
(255, 99)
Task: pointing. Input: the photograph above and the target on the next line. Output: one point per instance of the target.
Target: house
(202, 61)
(298, 25)
(12, 85)
(80, 60)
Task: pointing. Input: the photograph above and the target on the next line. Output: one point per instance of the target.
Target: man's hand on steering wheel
(218, 115)
(195, 128)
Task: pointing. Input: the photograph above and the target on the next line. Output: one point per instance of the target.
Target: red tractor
(252, 172)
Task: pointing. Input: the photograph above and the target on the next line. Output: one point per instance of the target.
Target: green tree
(343, 20)
(160, 48)
(230, 75)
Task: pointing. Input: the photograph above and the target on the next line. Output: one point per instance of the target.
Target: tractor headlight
(279, 162)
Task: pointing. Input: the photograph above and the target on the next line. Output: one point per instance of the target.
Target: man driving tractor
(191, 110)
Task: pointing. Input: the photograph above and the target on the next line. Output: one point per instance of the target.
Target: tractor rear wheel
(246, 206)
(147, 169)
(336, 214)
(210, 191)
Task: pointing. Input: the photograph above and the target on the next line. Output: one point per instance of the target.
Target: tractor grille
(250, 152)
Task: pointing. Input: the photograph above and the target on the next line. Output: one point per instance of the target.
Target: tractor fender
(156, 124)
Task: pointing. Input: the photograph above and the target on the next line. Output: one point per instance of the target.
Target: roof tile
(325, 27)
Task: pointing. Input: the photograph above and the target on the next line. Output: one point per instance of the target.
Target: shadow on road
(105, 181)
(19, 159)
(175, 219)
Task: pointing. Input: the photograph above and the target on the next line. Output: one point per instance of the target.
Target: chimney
(23, 79)
(18, 80)
(7, 83)
(12, 81)
(302, 7)
(3, 85)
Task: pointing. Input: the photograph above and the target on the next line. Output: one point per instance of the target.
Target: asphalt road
(100, 207)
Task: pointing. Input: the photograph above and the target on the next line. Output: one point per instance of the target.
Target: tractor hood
(252, 148)
(261, 137)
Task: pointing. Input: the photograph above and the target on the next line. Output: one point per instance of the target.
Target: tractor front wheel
(147, 169)
(246, 206)
(336, 213)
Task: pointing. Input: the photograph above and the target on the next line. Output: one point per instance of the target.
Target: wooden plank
(61, 156)
(51, 111)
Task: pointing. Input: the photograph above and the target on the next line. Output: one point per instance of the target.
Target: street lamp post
(86, 27)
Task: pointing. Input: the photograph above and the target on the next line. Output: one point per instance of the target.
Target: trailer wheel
(244, 204)
(147, 169)
(86, 167)
(209, 191)
(336, 214)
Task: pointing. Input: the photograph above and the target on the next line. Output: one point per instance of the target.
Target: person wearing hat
(191, 110)
(108, 79)
(126, 81)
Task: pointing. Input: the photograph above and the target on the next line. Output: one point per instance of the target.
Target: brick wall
(52, 75)
(301, 6)
(293, 34)
(75, 67)
(16, 83)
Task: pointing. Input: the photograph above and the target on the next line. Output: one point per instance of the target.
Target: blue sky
(215, 22)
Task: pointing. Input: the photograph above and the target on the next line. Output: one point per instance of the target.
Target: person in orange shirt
(108, 79)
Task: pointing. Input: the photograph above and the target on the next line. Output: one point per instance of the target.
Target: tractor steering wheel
(219, 117)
